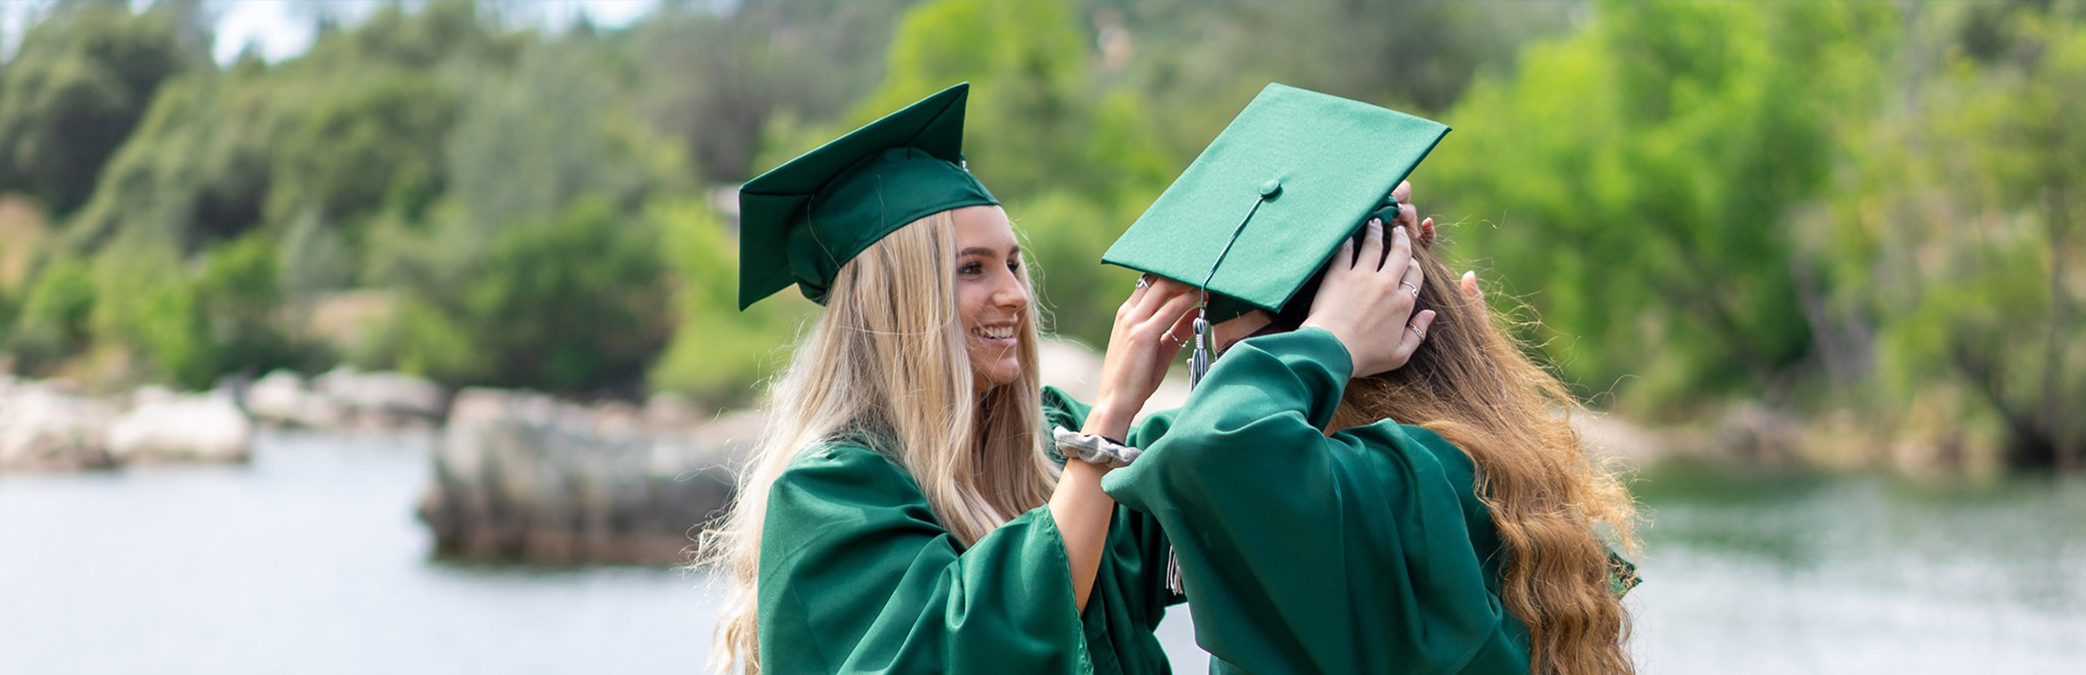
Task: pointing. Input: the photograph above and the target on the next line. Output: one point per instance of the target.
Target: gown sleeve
(857, 575)
(1303, 552)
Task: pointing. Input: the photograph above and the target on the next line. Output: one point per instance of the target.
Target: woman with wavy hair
(903, 512)
(1377, 480)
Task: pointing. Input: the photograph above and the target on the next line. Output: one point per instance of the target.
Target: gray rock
(668, 410)
(163, 426)
(381, 401)
(1753, 433)
(281, 398)
(44, 426)
(522, 476)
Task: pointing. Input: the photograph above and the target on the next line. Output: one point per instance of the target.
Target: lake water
(309, 560)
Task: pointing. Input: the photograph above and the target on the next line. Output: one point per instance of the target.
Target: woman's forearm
(1081, 510)
(1082, 513)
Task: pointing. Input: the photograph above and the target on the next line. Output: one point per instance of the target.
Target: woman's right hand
(1367, 301)
(1150, 328)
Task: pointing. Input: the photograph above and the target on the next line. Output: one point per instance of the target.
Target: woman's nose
(1011, 294)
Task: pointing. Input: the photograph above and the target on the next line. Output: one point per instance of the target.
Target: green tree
(573, 302)
(146, 308)
(1643, 175)
(716, 80)
(196, 171)
(83, 78)
(238, 296)
(1957, 237)
(371, 141)
(53, 321)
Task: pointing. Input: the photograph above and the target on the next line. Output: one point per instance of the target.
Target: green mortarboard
(1272, 197)
(801, 221)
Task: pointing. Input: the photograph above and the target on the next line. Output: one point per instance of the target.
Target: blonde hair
(886, 362)
(1473, 383)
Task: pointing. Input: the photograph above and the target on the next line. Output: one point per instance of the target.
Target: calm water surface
(310, 561)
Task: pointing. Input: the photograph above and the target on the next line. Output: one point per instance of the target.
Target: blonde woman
(904, 512)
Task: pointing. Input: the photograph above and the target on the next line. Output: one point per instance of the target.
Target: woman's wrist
(1109, 420)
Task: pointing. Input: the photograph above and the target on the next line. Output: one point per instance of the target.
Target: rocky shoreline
(50, 426)
(520, 476)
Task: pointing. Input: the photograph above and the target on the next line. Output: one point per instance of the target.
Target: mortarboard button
(1270, 189)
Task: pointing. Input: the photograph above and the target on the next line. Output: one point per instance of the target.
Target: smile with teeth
(994, 332)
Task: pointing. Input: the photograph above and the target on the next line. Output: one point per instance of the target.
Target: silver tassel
(1199, 360)
(1198, 364)
(1173, 573)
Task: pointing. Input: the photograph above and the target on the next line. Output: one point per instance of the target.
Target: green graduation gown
(857, 575)
(1366, 551)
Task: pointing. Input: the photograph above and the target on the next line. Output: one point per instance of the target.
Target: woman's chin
(997, 376)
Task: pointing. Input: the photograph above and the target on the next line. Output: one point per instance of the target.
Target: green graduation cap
(1255, 217)
(801, 221)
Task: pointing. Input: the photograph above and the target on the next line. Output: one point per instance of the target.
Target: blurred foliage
(52, 322)
(569, 302)
(717, 351)
(1870, 203)
(1831, 206)
(1637, 179)
(1955, 245)
(714, 81)
(82, 79)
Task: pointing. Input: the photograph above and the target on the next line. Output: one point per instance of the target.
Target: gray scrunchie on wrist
(1093, 449)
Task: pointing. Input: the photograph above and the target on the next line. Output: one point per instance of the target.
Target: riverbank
(312, 553)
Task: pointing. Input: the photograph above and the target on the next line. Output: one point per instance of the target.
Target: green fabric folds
(857, 575)
(1366, 551)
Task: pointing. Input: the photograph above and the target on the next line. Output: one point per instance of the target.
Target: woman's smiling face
(991, 296)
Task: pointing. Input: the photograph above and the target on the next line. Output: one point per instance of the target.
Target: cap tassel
(1199, 359)
(1173, 572)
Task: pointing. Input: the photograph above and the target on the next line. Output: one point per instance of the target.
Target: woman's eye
(970, 268)
(1013, 265)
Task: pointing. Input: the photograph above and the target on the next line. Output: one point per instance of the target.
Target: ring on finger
(1415, 289)
(1144, 281)
(1417, 332)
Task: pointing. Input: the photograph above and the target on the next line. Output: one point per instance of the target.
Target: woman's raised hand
(1367, 300)
(1150, 329)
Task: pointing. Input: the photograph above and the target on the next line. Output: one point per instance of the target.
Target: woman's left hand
(1150, 329)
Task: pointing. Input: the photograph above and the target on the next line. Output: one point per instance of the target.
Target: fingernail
(1376, 222)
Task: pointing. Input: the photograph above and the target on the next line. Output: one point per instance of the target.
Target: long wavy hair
(1474, 384)
(887, 360)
